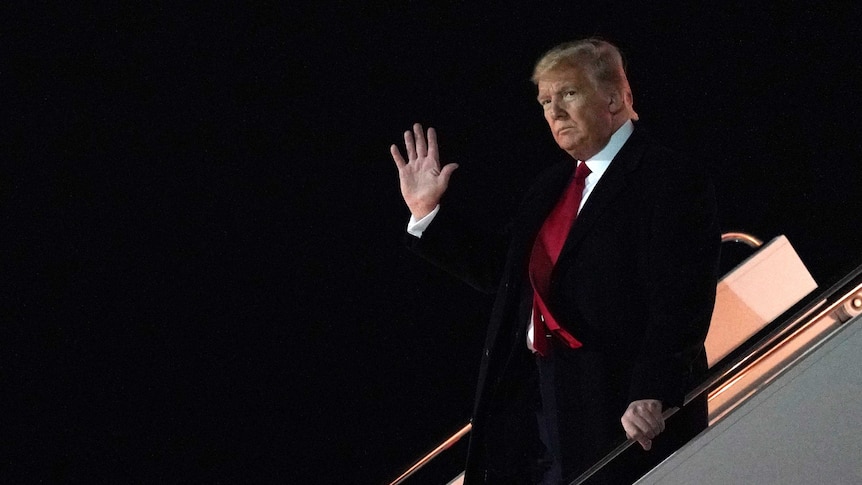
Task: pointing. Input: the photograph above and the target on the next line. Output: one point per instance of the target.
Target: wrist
(420, 210)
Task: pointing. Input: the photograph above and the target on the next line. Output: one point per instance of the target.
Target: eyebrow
(564, 87)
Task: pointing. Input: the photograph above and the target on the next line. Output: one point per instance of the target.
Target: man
(604, 285)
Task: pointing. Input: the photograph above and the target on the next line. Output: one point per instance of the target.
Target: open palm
(423, 182)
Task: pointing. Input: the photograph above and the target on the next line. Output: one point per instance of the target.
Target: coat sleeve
(479, 257)
(458, 248)
(679, 266)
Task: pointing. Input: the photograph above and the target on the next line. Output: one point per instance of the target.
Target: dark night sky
(202, 227)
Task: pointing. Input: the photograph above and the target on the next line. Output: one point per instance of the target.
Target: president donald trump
(604, 279)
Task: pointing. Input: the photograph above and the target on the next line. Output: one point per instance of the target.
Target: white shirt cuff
(417, 227)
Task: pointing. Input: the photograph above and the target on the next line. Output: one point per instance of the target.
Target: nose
(555, 109)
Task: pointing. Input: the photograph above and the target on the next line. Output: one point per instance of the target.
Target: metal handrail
(433, 454)
(741, 237)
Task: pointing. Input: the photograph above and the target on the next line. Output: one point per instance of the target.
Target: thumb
(448, 169)
(646, 443)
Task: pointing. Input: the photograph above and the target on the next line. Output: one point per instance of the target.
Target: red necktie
(546, 250)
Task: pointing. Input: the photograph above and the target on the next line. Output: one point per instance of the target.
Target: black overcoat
(635, 283)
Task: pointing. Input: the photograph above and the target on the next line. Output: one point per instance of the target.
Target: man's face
(579, 116)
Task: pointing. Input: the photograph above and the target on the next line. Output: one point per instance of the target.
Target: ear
(616, 102)
(621, 102)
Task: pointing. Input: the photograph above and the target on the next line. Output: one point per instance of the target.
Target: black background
(202, 260)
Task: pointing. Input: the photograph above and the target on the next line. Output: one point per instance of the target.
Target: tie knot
(582, 171)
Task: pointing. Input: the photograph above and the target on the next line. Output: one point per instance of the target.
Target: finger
(432, 144)
(647, 414)
(396, 155)
(409, 145)
(652, 415)
(636, 427)
(645, 442)
(421, 147)
(649, 423)
(640, 437)
(644, 428)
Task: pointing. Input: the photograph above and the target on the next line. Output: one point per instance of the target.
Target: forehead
(568, 75)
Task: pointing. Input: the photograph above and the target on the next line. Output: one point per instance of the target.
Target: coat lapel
(612, 182)
(539, 204)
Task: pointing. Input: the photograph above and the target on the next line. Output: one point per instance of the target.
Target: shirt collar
(600, 162)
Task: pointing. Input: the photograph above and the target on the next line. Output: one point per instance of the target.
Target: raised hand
(423, 182)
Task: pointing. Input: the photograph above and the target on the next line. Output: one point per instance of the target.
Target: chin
(566, 144)
(568, 147)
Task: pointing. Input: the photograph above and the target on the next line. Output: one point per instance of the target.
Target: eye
(571, 93)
